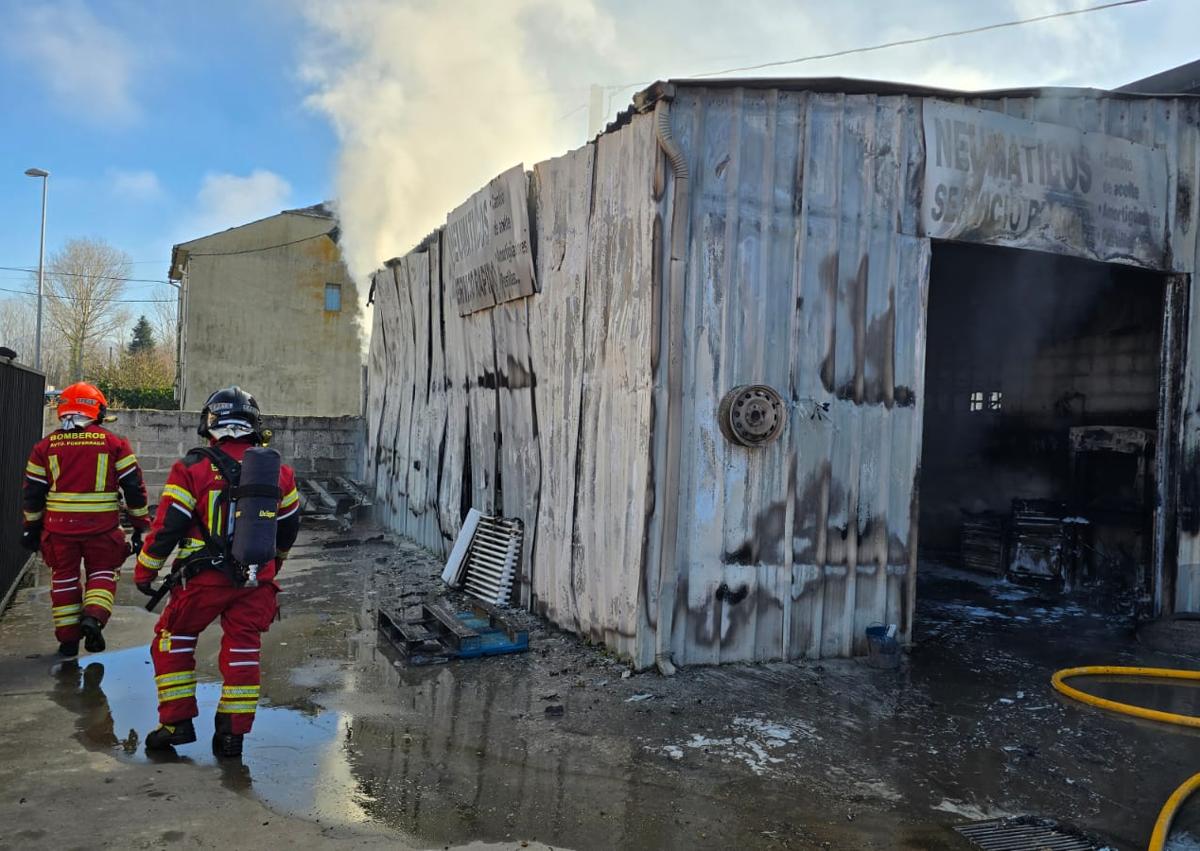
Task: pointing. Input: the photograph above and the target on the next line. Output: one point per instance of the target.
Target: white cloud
(88, 66)
(136, 185)
(228, 200)
(430, 100)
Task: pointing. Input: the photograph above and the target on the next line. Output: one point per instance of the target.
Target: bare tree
(84, 283)
(18, 331)
(18, 323)
(165, 319)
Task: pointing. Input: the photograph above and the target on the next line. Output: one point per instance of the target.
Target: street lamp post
(37, 345)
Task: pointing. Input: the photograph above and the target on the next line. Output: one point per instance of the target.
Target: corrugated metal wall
(805, 273)
(22, 401)
(539, 408)
(808, 271)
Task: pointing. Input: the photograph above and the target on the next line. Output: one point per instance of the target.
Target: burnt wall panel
(539, 408)
(733, 545)
(612, 501)
(519, 461)
(563, 199)
(801, 277)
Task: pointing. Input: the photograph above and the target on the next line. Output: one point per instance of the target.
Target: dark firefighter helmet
(227, 407)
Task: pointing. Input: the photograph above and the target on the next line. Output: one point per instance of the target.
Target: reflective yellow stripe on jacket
(180, 495)
(73, 503)
(148, 561)
(101, 472)
(190, 546)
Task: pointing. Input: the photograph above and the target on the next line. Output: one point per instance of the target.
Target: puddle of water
(465, 752)
(293, 758)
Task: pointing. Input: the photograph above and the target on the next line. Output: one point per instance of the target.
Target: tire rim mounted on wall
(751, 415)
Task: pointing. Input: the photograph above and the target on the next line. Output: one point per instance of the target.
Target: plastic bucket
(882, 651)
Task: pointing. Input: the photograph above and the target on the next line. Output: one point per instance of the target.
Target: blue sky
(155, 127)
(162, 121)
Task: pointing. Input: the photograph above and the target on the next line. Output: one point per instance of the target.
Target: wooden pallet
(439, 634)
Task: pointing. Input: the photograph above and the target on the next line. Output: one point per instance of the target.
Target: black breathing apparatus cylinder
(255, 502)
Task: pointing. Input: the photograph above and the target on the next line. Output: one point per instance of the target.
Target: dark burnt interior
(1041, 405)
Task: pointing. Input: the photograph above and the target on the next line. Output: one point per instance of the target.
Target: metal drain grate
(1024, 834)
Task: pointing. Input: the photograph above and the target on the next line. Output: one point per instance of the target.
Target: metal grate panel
(492, 560)
(1024, 834)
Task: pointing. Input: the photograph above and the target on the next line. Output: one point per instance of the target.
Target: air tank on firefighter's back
(257, 504)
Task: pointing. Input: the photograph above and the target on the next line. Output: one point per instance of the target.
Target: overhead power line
(923, 39)
(83, 275)
(898, 43)
(106, 301)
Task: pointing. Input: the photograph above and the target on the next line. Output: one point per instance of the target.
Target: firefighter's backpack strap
(230, 471)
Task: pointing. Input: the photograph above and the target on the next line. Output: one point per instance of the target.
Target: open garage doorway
(1041, 422)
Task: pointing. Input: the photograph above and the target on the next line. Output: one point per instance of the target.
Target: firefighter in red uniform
(193, 515)
(73, 513)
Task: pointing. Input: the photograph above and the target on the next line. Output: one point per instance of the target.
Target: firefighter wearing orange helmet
(74, 481)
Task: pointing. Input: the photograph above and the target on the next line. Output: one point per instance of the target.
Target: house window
(333, 297)
(995, 400)
(976, 401)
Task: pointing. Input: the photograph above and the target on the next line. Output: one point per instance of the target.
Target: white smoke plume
(431, 100)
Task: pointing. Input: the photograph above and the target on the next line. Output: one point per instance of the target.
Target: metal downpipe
(677, 247)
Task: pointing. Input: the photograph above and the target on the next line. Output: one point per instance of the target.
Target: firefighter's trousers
(245, 613)
(101, 555)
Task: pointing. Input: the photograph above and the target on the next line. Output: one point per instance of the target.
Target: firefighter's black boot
(226, 743)
(68, 649)
(93, 637)
(167, 736)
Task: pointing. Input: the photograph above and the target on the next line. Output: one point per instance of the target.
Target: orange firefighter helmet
(82, 398)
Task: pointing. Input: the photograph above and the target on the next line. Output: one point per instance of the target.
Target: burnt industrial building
(749, 359)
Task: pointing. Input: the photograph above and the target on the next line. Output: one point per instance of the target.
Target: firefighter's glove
(146, 587)
(135, 542)
(31, 538)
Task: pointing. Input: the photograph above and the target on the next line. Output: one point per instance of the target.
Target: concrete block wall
(318, 447)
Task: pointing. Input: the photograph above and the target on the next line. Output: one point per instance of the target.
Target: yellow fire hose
(1162, 826)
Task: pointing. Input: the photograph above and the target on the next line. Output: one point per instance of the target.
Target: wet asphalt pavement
(563, 746)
